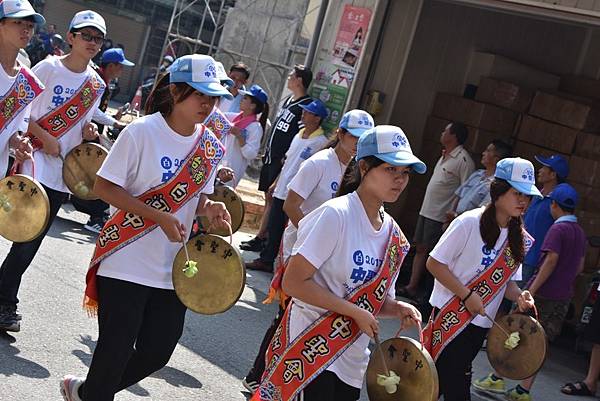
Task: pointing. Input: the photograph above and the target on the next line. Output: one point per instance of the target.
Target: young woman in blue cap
(475, 264)
(341, 276)
(243, 143)
(316, 182)
(156, 178)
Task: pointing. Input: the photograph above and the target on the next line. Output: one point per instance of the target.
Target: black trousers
(454, 364)
(22, 253)
(258, 368)
(139, 327)
(277, 221)
(328, 387)
(96, 209)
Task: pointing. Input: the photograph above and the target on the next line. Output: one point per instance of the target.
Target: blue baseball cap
(256, 92)
(520, 175)
(557, 163)
(88, 18)
(200, 72)
(357, 122)
(116, 55)
(19, 9)
(317, 108)
(390, 144)
(565, 195)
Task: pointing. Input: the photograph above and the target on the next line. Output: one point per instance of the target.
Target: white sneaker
(69, 387)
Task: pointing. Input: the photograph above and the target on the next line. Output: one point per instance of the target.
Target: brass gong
(528, 357)
(80, 167)
(220, 279)
(235, 207)
(24, 208)
(409, 360)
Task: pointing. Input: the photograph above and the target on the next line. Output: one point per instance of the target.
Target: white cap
(19, 9)
(222, 74)
(88, 18)
(200, 72)
(357, 122)
(519, 173)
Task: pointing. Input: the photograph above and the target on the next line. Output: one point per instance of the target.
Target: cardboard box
(589, 221)
(584, 171)
(587, 145)
(549, 135)
(575, 112)
(492, 65)
(589, 197)
(475, 114)
(580, 86)
(528, 151)
(504, 94)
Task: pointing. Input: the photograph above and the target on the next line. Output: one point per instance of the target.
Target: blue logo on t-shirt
(306, 153)
(334, 186)
(489, 255)
(358, 258)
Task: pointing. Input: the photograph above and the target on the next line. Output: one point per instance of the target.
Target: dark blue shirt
(538, 221)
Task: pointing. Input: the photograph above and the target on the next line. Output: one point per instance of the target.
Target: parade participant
(316, 182)
(475, 192)
(243, 141)
(239, 73)
(538, 218)
(341, 275)
(111, 67)
(140, 317)
(286, 126)
(309, 140)
(17, 24)
(561, 260)
(60, 120)
(450, 172)
(481, 243)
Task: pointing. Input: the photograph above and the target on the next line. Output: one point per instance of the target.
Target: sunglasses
(90, 38)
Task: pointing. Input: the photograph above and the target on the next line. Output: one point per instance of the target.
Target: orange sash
(453, 317)
(123, 227)
(60, 120)
(292, 366)
(22, 92)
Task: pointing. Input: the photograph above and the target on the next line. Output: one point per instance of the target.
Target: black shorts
(268, 174)
(428, 232)
(592, 330)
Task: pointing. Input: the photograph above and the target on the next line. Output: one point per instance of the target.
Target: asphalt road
(213, 355)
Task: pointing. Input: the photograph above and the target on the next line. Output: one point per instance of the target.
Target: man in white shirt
(239, 73)
(452, 169)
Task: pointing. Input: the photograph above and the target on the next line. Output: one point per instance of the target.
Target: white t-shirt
(146, 154)
(237, 157)
(316, 182)
(61, 84)
(462, 249)
(339, 241)
(300, 150)
(19, 123)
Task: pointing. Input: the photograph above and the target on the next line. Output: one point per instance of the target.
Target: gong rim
(236, 210)
(393, 349)
(218, 285)
(75, 172)
(20, 226)
(532, 348)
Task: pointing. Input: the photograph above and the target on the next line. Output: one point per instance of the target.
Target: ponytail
(262, 109)
(490, 230)
(161, 100)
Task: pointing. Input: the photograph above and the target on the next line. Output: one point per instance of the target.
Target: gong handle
(378, 345)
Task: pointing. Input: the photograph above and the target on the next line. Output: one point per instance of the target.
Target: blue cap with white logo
(19, 9)
(88, 18)
(565, 195)
(116, 55)
(357, 122)
(256, 92)
(200, 72)
(317, 108)
(390, 144)
(519, 173)
(557, 163)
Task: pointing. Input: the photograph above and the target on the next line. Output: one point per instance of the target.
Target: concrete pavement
(214, 353)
